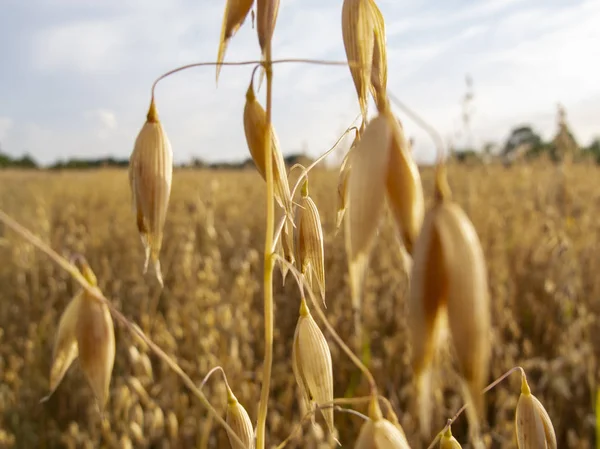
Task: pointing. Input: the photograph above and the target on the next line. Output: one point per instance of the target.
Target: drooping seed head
(358, 32)
(255, 125)
(233, 18)
(404, 187)
(449, 279)
(96, 342)
(309, 244)
(312, 366)
(65, 345)
(534, 428)
(266, 18)
(366, 197)
(378, 85)
(150, 176)
(239, 420)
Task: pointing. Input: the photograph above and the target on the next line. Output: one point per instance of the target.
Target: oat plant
(448, 278)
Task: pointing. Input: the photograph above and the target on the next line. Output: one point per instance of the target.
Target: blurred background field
(540, 232)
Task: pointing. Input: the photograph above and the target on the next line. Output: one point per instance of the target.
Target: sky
(75, 75)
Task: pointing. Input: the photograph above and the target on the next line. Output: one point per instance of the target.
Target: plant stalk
(268, 263)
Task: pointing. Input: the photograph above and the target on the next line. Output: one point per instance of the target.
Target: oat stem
(97, 295)
(268, 262)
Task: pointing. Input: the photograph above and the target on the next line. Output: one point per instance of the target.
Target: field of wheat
(539, 232)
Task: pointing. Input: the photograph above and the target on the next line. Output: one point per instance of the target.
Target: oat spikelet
(312, 366)
(366, 197)
(379, 433)
(311, 255)
(378, 85)
(86, 331)
(96, 342)
(233, 18)
(358, 34)
(404, 187)
(449, 279)
(255, 123)
(534, 428)
(238, 419)
(266, 17)
(150, 176)
(65, 345)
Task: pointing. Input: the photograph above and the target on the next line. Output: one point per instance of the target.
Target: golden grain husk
(96, 342)
(312, 365)
(533, 426)
(358, 35)
(233, 18)
(255, 124)
(238, 419)
(449, 280)
(266, 18)
(309, 244)
(378, 84)
(403, 187)
(366, 197)
(150, 177)
(65, 345)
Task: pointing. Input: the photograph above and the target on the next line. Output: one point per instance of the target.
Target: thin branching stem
(435, 136)
(463, 408)
(244, 63)
(97, 295)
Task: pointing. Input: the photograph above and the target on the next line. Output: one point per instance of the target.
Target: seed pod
(447, 441)
(404, 187)
(65, 345)
(311, 255)
(311, 363)
(358, 34)
(266, 17)
(378, 83)
(233, 18)
(533, 425)
(255, 124)
(366, 196)
(238, 419)
(150, 176)
(379, 433)
(449, 278)
(96, 342)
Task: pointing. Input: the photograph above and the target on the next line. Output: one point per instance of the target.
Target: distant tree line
(28, 162)
(524, 143)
